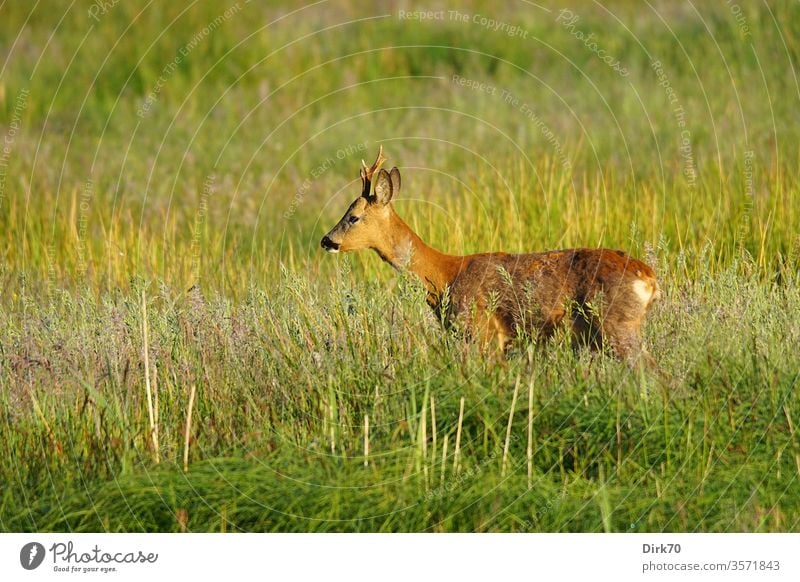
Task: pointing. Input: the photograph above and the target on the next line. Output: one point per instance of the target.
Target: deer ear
(395, 176)
(383, 188)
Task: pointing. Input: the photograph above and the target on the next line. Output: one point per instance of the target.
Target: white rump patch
(642, 290)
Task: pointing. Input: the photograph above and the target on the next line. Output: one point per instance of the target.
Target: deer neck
(405, 250)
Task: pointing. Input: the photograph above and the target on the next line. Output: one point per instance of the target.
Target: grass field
(166, 173)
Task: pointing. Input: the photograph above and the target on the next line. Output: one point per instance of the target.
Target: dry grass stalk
(433, 430)
(444, 459)
(508, 428)
(148, 390)
(458, 438)
(366, 440)
(188, 429)
(530, 433)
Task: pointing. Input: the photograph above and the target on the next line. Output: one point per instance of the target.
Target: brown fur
(603, 294)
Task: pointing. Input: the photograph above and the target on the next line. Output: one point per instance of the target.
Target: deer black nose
(328, 244)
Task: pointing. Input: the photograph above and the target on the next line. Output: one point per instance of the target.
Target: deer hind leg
(586, 331)
(624, 338)
(626, 343)
(621, 329)
(595, 334)
(489, 330)
(497, 332)
(612, 322)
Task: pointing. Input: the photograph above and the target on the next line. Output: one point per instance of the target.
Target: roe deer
(604, 294)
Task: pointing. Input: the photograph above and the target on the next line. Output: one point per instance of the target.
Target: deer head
(367, 220)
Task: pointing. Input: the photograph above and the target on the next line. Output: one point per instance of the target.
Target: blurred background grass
(271, 93)
(163, 146)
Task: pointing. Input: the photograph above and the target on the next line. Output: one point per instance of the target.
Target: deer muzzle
(327, 244)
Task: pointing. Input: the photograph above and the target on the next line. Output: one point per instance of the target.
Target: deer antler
(367, 173)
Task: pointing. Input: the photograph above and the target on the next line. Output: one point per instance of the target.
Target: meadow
(178, 354)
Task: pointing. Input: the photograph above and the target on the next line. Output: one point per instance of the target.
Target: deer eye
(353, 219)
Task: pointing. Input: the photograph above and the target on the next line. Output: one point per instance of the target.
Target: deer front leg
(494, 335)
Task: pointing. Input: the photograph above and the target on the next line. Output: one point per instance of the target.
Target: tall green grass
(210, 206)
(283, 387)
